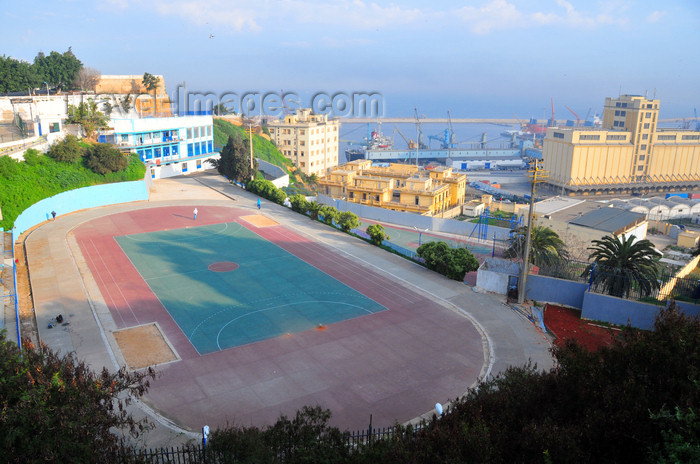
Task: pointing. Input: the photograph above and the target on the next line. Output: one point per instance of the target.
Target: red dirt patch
(566, 323)
(223, 266)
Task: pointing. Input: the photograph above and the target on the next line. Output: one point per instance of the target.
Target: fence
(198, 453)
(622, 285)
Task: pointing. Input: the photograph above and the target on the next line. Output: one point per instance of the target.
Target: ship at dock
(466, 156)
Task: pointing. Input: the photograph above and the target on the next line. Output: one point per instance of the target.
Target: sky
(481, 58)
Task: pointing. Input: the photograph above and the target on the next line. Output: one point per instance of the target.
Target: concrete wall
(620, 311)
(492, 281)
(436, 224)
(281, 177)
(83, 198)
(558, 291)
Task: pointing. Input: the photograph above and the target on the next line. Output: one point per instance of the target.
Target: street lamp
(420, 233)
(47, 90)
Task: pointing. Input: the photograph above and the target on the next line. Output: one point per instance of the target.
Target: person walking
(258, 203)
(195, 213)
(53, 214)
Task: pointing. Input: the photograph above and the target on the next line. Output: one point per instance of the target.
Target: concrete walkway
(62, 284)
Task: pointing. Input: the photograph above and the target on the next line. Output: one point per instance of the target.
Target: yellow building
(309, 140)
(629, 154)
(399, 187)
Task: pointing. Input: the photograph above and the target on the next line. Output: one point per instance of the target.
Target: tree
(87, 79)
(87, 116)
(329, 213)
(67, 150)
(125, 104)
(299, 203)
(220, 109)
(546, 247)
(57, 69)
(17, 76)
(347, 221)
(234, 160)
(452, 263)
(150, 82)
(621, 262)
(314, 207)
(377, 234)
(103, 158)
(55, 409)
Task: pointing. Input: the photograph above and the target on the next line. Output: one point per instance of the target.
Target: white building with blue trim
(169, 146)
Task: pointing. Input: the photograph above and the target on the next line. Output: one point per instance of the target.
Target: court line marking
(209, 234)
(218, 335)
(89, 256)
(350, 266)
(114, 281)
(271, 299)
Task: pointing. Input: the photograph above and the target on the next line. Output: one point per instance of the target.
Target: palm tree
(150, 82)
(621, 262)
(546, 247)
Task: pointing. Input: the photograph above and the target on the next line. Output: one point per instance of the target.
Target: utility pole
(537, 175)
(250, 129)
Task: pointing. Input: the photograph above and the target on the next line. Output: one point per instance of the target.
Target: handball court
(395, 358)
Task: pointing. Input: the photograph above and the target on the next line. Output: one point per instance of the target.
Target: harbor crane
(447, 139)
(578, 120)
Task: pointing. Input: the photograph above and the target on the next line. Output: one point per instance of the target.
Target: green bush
(329, 213)
(377, 234)
(103, 158)
(299, 203)
(452, 263)
(266, 189)
(347, 221)
(67, 150)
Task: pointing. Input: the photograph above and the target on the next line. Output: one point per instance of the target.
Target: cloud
(501, 14)
(656, 16)
(240, 16)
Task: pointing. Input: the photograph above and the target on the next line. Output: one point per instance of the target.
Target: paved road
(61, 284)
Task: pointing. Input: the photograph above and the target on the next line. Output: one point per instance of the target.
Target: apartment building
(629, 154)
(309, 140)
(168, 146)
(398, 187)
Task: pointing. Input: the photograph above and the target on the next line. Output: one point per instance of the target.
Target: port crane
(447, 139)
(578, 120)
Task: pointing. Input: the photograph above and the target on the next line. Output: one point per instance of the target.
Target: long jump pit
(245, 320)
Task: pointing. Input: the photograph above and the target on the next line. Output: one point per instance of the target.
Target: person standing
(53, 215)
(258, 203)
(195, 213)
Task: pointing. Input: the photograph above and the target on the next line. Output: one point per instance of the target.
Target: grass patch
(262, 148)
(24, 183)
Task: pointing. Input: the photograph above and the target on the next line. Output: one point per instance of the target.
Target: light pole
(420, 233)
(47, 90)
(493, 253)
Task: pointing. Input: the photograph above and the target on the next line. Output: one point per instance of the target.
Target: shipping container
(496, 186)
(484, 182)
(681, 195)
(695, 195)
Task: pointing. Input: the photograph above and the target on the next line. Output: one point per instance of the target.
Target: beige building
(398, 187)
(127, 84)
(309, 140)
(629, 154)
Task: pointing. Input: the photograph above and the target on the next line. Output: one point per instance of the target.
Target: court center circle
(223, 266)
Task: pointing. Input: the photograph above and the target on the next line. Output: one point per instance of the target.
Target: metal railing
(199, 453)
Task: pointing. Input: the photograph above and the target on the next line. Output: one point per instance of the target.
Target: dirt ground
(259, 220)
(144, 346)
(28, 327)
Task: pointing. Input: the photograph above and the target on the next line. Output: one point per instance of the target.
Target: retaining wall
(82, 198)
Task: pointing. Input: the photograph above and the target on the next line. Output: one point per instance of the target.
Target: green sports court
(226, 286)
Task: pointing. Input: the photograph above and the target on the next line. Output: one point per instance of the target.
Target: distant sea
(464, 133)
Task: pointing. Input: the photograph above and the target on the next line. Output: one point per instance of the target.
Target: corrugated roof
(609, 220)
